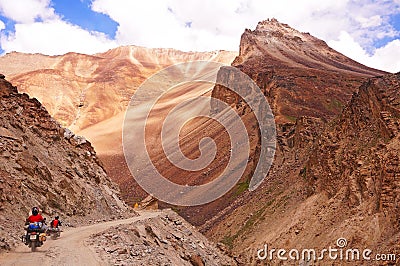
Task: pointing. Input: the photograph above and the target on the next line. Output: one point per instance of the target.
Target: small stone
(201, 245)
(177, 222)
(123, 251)
(68, 134)
(6, 154)
(177, 235)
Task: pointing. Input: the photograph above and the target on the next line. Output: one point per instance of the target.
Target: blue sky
(79, 12)
(365, 30)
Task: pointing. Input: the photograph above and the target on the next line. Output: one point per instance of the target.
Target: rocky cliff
(43, 164)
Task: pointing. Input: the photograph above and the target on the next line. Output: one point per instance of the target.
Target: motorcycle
(54, 233)
(35, 236)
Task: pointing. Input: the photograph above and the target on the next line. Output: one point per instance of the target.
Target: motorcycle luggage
(42, 237)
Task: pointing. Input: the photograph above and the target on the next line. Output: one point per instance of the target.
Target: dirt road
(69, 249)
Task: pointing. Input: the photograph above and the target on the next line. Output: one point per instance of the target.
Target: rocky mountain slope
(336, 165)
(163, 240)
(43, 164)
(299, 74)
(306, 84)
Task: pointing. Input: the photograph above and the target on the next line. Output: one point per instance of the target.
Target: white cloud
(26, 11)
(54, 37)
(374, 21)
(2, 25)
(385, 58)
(214, 25)
(39, 29)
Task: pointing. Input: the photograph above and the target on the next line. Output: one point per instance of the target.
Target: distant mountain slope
(89, 93)
(88, 89)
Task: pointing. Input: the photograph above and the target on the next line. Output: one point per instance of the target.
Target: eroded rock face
(40, 166)
(360, 152)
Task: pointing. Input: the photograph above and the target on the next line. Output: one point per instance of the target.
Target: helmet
(35, 210)
(56, 217)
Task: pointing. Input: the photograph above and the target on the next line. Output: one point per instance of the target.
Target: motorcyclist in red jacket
(35, 217)
(56, 222)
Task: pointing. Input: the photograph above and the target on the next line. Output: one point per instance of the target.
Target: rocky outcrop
(164, 240)
(360, 151)
(43, 164)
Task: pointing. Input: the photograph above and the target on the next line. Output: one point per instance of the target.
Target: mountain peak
(269, 25)
(277, 44)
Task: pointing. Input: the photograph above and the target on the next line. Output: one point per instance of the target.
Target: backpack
(34, 226)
